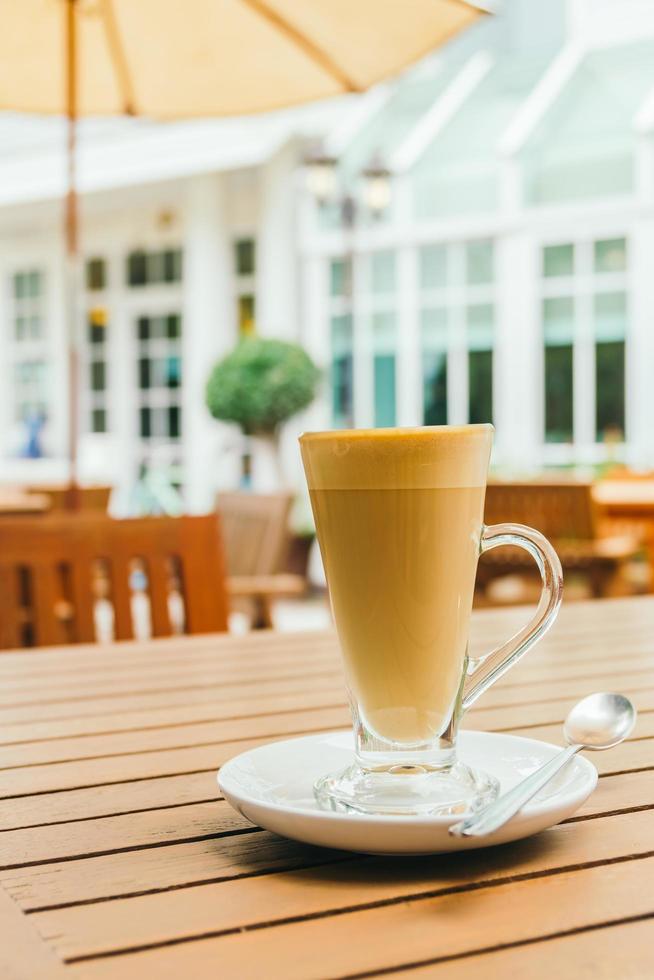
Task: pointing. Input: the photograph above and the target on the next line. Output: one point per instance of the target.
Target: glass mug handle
(485, 670)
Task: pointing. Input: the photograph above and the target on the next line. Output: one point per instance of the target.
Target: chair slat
(121, 596)
(62, 606)
(10, 608)
(158, 582)
(52, 613)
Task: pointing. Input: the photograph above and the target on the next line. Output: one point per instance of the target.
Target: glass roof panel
(583, 147)
(459, 172)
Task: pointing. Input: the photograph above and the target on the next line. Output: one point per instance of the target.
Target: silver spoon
(599, 721)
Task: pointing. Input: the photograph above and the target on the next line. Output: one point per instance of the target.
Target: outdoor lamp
(321, 176)
(376, 186)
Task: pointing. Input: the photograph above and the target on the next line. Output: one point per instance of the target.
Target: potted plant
(259, 385)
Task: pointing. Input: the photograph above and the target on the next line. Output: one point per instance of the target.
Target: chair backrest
(55, 569)
(561, 511)
(255, 530)
(87, 498)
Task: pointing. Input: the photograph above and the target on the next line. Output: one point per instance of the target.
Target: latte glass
(399, 519)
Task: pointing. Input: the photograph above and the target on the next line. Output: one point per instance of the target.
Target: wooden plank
(177, 865)
(101, 801)
(102, 836)
(212, 733)
(267, 685)
(23, 954)
(601, 954)
(389, 936)
(76, 774)
(69, 882)
(120, 685)
(10, 609)
(330, 693)
(537, 721)
(362, 882)
(159, 868)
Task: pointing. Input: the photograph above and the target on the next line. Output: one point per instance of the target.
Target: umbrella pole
(72, 252)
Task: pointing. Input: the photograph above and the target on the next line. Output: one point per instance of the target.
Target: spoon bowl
(600, 721)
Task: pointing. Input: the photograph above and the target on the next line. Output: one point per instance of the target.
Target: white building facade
(509, 280)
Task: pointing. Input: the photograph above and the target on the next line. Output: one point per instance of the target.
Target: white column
(58, 329)
(517, 358)
(6, 368)
(640, 346)
(277, 258)
(409, 373)
(211, 456)
(123, 380)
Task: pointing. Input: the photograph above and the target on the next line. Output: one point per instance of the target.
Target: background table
(120, 861)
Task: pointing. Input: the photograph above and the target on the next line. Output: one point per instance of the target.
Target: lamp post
(374, 199)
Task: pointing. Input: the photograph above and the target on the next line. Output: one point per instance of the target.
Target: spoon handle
(506, 806)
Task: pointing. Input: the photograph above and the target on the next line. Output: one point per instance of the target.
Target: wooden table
(629, 505)
(119, 860)
(23, 503)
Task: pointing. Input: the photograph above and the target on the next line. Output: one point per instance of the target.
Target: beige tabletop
(119, 860)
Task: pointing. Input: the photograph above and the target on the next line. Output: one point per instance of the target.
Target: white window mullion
(584, 354)
(457, 361)
(408, 368)
(362, 345)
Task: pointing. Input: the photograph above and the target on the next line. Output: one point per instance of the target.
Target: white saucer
(272, 786)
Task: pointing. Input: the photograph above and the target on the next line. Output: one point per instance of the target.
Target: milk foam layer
(433, 457)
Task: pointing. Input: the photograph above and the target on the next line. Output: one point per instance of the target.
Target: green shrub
(261, 383)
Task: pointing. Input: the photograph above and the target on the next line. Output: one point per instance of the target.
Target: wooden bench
(565, 512)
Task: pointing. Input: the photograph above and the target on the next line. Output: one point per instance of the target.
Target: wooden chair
(55, 569)
(255, 530)
(88, 498)
(566, 514)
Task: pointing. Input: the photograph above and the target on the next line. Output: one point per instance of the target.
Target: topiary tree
(260, 384)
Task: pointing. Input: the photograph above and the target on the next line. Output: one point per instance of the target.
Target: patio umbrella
(172, 59)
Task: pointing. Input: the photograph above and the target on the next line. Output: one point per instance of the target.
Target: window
(339, 277)
(584, 317)
(95, 370)
(610, 255)
(154, 268)
(341, 371)
(558, 260)
(244, 251)
(382, 272)
(30, 354)
(610, 315)
(479, 262)
(246, 321)
(433, 266)
(457, 325)
(30, 390)
(159, 375)
(245, 268)
(434, 366)
(558, 329)
(384, 345)
(96, 275)
(479, 320)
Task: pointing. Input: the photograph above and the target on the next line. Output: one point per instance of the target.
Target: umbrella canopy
(169, 59)
(177, 58)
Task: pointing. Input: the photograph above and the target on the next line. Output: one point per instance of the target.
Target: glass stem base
(406, 789)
